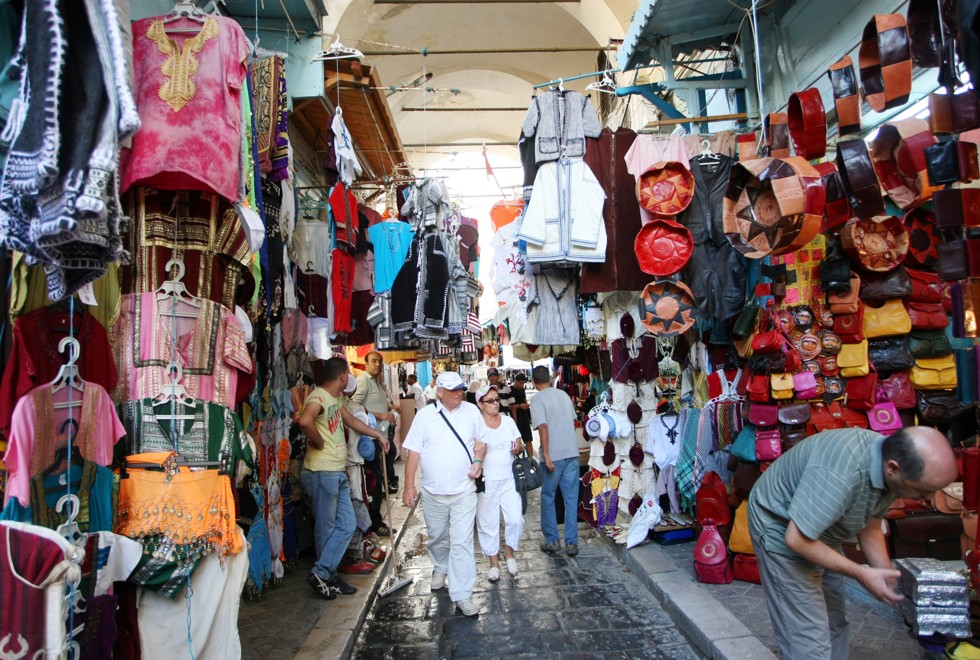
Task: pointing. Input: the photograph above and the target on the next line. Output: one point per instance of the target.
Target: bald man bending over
(830, 488)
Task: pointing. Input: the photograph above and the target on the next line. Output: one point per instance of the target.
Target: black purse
(926, 344)
(942, 163)
(891, 354)
(481, 483)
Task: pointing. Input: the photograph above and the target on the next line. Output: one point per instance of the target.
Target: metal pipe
(456, 144)
(524, 109)
(484, 51)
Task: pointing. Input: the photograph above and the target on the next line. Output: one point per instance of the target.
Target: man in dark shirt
(519, 408)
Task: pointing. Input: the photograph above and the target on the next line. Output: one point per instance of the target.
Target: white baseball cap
(450, 380)
(483, 391)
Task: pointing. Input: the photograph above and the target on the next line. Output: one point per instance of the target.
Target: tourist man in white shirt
(448, 492)
(416, 391)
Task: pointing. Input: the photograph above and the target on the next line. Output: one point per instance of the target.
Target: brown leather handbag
(876, 288)
(928, 534)
(846, 302)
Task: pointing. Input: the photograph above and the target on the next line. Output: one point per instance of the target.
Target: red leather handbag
(768, 341)
(925, 286)
(761, 415)
(822, 418)
(860, 392)
(849, 326)
(927, 315)
(746, 568)
(759, 388)
(898, 389)
(711, 501)
(711, 556)
(768, 444)
(883, 416)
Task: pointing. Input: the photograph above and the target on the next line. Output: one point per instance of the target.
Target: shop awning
(366, 114)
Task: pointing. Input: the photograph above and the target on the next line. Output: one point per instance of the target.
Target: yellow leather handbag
(853, 360)
(782, 386)
(740, 541)
(934, 373)
(886, 321)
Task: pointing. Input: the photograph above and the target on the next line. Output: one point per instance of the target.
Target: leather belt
(846, 99)
(837, 211)
(775, 135)
(807, 124)
(772, 206)
(898, 153)
(859, 178)
(885, 60)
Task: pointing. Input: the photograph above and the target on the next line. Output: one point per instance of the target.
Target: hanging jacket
(560, 120)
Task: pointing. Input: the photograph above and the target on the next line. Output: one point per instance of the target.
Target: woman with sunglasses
(504, 442)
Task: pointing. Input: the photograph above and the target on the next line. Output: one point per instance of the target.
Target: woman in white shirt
(504, 442)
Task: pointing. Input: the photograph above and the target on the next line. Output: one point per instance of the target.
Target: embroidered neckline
(181, 65)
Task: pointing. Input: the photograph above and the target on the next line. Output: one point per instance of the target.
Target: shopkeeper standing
(324, 476)
(373, 395)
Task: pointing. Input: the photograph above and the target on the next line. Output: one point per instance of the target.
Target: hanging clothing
(342, 281)
(508, 269)
(202, 230)
(716, 272)
(391, 242)
(35, 360)
(36, 434)
(311, 246)
(559, 122)
(426, 204)
(619, 271)
(181, 81)
(552, 307)
(268, 88)
(563, 221)
(431, 290)
(648, 150)
(33, 565)
(95, 492)
(343, 210)
(348, 166)
(29, 292)
(634, 359)
(214, 434)
(212, 351)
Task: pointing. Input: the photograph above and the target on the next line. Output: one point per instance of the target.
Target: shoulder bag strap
(465, 448)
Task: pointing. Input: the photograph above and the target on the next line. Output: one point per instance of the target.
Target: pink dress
(35, 434)
(210, 349)
(188, 92)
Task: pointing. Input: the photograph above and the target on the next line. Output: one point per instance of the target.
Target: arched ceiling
(556, 39)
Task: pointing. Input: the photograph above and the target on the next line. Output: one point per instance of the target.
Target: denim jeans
(565, 477)
(333, 512)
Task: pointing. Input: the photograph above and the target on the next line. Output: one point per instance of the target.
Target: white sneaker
(468, 607)
(512, 566)
(493, 574)
(438, 581)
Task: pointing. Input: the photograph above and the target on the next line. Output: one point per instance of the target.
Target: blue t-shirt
(391, 241)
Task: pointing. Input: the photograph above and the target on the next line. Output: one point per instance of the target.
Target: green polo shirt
(830, 485)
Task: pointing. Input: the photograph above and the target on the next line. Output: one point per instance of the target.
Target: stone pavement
(731, 620)
(589, 606)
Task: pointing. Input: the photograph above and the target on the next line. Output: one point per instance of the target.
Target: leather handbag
(850, 327)
(824, 418)
(934, 373)
(956, 207)
(886, 321)
(767, 341)
(792, 420)
(846, 302)
(964, 111)
(942, 163)
(746, 568)
(966, 157)
(758, 388)
(761, 415)
(860, 392)
(927, 315)
(933, 535)
(744, 446)
(853, 360)
(768, 444)
(741, 540)
(711, 500)
(951, 263)
(527, 474)
(938, 407)
(972, 246)
(926, 344)
(876, 288)
(711, 556)
(747, 321)
(891, 354)
(898, 389)
(925, 287)
(940, 114)
(782, 386)
(805, 384)
(835, 275)
(883, 416)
